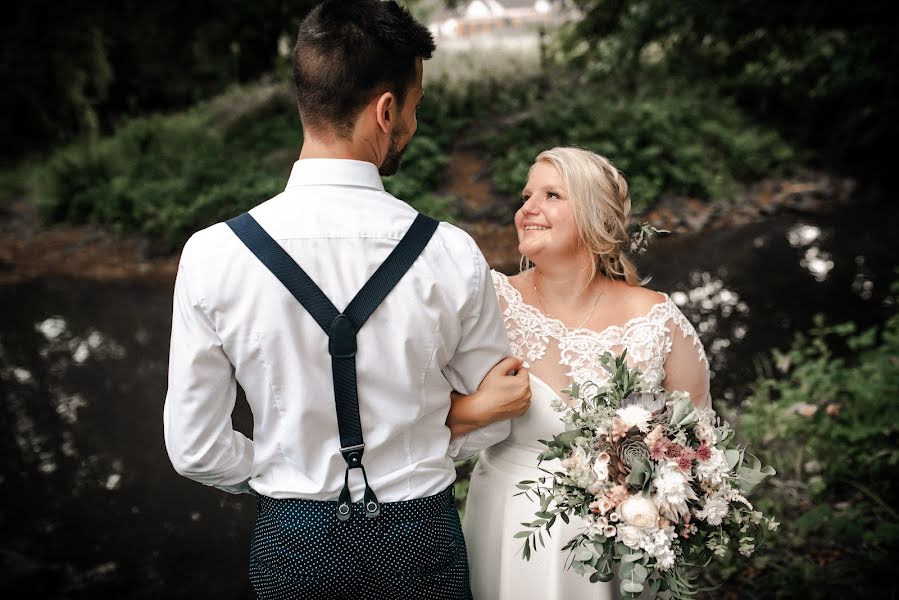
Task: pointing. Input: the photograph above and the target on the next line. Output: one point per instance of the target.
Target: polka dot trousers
(414, 549)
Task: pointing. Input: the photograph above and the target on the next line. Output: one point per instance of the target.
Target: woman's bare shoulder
(634, 300)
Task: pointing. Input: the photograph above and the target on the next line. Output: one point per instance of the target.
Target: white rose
(639, 511)
(630, 536)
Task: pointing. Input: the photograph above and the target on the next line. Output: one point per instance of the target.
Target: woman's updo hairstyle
(601, 206)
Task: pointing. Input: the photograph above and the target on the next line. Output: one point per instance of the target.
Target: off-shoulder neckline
(650, 315)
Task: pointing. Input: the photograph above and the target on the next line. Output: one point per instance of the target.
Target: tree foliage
(821, 70)
(70, 67)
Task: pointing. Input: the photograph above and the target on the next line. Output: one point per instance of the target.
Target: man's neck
(335, 147)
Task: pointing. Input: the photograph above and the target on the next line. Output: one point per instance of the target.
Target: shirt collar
(334, 171)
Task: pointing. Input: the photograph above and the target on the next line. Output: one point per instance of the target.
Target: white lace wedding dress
(659, 340)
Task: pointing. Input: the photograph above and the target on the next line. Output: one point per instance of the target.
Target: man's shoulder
(214, 243)
(456, 240)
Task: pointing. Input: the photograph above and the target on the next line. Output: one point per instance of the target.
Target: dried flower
(703, 453)
(635, 417)
(673, 451)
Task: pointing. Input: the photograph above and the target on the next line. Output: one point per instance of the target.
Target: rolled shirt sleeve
(199, 436)
(483, 344)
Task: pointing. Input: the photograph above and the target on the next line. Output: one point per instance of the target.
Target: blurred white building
(497, 18)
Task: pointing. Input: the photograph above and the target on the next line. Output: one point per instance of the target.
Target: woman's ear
(386, 107)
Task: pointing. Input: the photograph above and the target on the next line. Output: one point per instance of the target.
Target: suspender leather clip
(353, 455)
(342, 338)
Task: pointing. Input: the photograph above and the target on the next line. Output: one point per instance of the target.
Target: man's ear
(386, 111)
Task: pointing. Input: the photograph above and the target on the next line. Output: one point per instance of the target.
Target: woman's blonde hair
(601, 206)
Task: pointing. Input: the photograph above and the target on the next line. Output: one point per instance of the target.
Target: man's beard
(394, 156)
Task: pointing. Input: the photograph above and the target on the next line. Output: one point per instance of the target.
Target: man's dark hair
(349, 50)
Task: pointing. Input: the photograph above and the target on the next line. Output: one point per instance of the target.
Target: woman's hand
(504, 393)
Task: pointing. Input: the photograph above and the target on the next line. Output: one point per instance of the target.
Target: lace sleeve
(686, 366)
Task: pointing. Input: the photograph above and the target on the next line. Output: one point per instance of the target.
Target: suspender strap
(340, 327)
(285, 269)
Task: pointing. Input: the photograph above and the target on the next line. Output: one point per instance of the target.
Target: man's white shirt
(234, 322)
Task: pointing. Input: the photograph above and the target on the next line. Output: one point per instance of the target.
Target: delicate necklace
(546, 312)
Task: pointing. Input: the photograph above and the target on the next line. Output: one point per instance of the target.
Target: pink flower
(657, 450)
(673, 451)
(684, 462)
(654, 436)
(703, 453)
(688, 452)
(617, 495)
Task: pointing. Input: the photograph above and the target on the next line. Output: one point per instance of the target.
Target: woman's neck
(566, 285)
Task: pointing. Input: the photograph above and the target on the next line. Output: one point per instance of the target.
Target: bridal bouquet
(659, 484)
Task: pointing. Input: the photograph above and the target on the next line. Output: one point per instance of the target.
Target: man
(358, 75)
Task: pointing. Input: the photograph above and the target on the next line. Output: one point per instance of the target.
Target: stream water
(92, 509)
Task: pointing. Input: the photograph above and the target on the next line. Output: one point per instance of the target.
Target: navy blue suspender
(341, 328)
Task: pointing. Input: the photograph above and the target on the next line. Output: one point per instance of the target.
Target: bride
(581, 298)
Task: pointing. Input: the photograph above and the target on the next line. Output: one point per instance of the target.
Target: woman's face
(545, 223)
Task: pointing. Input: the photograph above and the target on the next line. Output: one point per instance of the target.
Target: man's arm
(199, 437)
(482, 345)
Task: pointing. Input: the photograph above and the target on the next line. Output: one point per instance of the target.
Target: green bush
(831, 427)
(688, 143)
(166, 176)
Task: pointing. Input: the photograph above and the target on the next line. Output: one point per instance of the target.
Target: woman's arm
(686, 367)
(504, 393)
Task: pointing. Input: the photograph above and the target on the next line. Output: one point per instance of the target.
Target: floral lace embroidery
(647, 338)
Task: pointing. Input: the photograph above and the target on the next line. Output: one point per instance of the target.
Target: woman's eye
(551, 195)
(525, 198)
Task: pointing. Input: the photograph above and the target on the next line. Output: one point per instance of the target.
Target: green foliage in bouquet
(832, 425)
(658, 484)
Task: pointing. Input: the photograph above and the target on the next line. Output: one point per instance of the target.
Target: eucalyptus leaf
(733, 458)
(680, 411)
(748, 477)
(639, 573)
(583, 554)
(631, 587)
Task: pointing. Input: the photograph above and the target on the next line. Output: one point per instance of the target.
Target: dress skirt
(494, 514)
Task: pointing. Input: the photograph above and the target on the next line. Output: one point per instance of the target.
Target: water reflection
(816, 261)
(803, 234)
(82, 375)
(862, 283)
(52, 327)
